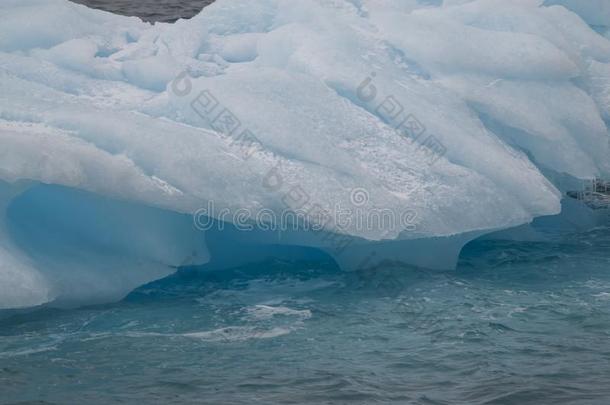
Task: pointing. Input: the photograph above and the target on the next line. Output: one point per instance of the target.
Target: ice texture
(594, 12)
(109, 145)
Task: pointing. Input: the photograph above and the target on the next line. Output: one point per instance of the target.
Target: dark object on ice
(150, 10)
(596, 194)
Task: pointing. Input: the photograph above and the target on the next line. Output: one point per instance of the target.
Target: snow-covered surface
(98, 102)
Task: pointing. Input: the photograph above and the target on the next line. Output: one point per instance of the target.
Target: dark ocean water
(516, 323)
(150, 10)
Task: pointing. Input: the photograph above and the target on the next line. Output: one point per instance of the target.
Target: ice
(456, 117)
(94, 250)
(594, 12)
(21, 285)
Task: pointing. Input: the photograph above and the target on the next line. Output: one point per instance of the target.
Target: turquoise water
(517, 322)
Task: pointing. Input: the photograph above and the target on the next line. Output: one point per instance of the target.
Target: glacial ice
(105, 152)
(594, 12)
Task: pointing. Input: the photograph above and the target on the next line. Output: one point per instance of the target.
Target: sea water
(517, 322)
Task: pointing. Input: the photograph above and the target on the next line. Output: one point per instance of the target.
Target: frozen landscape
(438, 162)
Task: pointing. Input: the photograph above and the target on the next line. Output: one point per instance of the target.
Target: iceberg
(400, 130)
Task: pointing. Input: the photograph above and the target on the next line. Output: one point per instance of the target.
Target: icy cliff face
(443, 115)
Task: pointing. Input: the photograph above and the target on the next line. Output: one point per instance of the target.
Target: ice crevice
(112, 154)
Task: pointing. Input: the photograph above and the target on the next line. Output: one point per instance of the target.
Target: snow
(311, 93)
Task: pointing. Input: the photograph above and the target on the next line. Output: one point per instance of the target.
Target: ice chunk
(448, 114)
(72, 248)
(91, 249)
